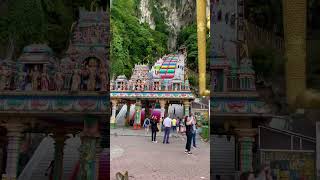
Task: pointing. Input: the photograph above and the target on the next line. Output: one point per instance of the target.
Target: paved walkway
(131, 132)
(133, 152)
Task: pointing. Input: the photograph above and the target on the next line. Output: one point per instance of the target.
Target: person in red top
(154, 128)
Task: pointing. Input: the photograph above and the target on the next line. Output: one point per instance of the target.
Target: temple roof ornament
(246, 66)
(36, 53)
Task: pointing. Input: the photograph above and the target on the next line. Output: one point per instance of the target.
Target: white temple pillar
(113, 115)
(162, 106)
(14, 138)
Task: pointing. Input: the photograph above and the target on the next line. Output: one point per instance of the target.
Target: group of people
(168, 124)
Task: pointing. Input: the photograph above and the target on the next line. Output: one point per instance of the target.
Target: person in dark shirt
(189, 131)
(51, 167)
(154, 129)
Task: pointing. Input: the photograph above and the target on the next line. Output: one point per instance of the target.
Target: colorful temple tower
(236, 108)
(164, 83)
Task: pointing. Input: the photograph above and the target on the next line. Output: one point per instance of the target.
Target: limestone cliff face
(176, 13)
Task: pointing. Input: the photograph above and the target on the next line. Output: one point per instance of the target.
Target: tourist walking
(154, 129)
(146, 125)
(167, 127)
(174, 125)
(189, 135)
(194, 129)
(178, 124)
(161, 123)
(51, 167)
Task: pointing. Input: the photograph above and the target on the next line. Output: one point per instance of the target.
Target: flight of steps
(36, 167)
(121, 116)
(223, 158)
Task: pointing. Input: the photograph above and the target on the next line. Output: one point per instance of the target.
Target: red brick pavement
(145, 160)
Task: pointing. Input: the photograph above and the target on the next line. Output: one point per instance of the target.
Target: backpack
(147, 122)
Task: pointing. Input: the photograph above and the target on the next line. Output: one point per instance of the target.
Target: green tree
(38, 21)
(132, 42)
(188, 38)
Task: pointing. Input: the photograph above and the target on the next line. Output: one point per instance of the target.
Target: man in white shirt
(167, 126)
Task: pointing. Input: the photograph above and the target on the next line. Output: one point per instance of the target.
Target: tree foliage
(266, 14)
(39, 21)
(188, 38)
(267, 62)
(132, 42)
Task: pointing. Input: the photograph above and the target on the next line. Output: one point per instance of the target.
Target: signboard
(291, 156)
(288, 165)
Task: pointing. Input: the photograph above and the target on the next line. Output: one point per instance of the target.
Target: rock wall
(177, 14)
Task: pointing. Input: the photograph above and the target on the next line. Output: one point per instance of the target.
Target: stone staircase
(121, 116)
(44, 154)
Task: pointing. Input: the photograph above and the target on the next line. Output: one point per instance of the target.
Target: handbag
(157, 129)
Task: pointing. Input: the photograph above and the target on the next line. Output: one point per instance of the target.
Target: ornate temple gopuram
(164, 83)
(236, 107)
(59, 96)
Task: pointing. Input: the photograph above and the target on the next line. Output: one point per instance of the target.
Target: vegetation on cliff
(188, 38)
(133, 42)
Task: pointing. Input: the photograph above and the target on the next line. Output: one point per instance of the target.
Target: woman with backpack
(146, 125)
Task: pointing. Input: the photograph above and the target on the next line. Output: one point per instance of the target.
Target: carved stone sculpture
(92, 75)
(92, 80)
(35, 78)
(44, 80)
(75, 80)
(2, 79)
(59, 80)
(21, 81)
(103, 79)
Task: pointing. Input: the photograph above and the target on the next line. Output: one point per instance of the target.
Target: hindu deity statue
(66, 67)
(35, 75)
(44, 80)
(28, 81)
(138, 85)
(2, 78)
(75, 80)
(59, 79)
(21, 80)
(111, 85)
(92, 75)
(103, 78)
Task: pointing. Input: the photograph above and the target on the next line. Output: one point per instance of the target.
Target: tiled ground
(145, 160)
